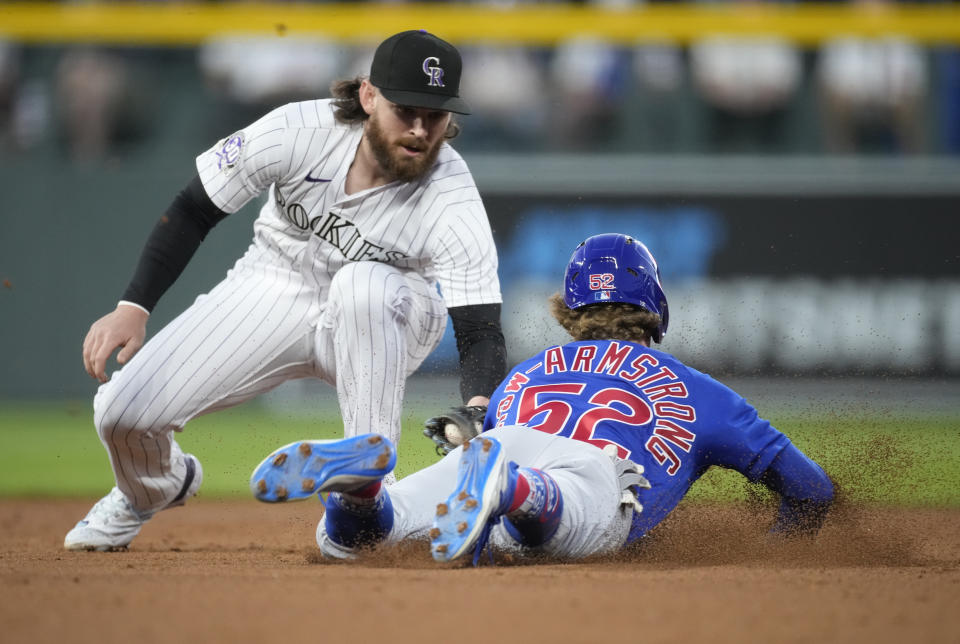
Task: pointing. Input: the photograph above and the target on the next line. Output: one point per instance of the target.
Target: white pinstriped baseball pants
(258, 328)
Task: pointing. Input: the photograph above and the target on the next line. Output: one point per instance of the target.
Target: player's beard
(394, 162)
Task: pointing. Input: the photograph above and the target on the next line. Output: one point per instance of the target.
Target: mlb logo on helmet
(603, 295)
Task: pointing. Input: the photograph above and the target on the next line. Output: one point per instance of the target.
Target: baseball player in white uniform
(369, 212)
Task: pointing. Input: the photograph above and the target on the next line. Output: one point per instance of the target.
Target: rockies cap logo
(433, 71)
(403, 60)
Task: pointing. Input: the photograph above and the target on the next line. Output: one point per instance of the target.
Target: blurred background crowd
(718, 94)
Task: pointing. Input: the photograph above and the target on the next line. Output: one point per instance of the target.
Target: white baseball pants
(263, 325)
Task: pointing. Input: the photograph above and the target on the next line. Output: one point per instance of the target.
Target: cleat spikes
(442, 509)
(475, 504)
(300, 469)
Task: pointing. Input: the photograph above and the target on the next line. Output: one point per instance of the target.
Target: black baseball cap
(417, 69)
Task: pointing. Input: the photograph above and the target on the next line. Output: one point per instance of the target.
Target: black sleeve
(172, 243)
(483, 354)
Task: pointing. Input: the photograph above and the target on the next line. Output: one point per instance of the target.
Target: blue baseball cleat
(301, 469)
(485, 486)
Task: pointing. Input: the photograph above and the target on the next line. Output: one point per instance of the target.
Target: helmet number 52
(601, 281)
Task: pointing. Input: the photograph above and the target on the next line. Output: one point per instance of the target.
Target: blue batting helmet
(616, 268)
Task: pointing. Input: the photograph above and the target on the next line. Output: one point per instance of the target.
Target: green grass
(901, 461)
(51, 449)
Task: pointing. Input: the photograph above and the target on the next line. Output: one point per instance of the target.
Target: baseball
(454, 435)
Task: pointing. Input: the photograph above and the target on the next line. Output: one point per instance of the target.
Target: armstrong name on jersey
(621, 395)
(656, 411)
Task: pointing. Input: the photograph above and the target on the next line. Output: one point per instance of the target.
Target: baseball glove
(455, 427)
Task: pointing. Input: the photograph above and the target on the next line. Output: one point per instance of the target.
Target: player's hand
(478, 401)
(125, 326)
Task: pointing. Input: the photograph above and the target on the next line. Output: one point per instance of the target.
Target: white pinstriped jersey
(436, 225)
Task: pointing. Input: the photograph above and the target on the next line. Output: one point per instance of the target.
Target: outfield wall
(752, 326)
(844, 267)
(833, 267)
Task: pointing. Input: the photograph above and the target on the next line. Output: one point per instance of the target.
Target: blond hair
(606, 321)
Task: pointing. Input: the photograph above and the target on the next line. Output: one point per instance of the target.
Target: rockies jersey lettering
(436, 226)
(673, 420)
(330, 228)
(343, 235)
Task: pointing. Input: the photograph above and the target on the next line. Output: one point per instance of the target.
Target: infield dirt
(237, 571)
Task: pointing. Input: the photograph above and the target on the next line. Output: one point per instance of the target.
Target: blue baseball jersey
(656, 411)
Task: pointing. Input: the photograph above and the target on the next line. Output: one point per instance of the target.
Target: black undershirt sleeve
(172, 243)
(483, 354)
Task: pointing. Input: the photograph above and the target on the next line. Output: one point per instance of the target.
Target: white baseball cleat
(112, 523)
